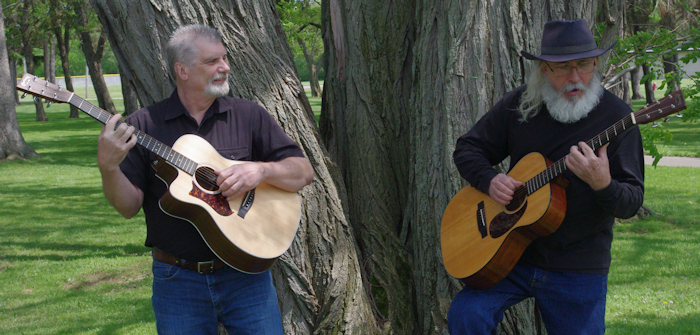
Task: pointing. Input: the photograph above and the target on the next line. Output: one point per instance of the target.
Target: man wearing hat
(562, 106)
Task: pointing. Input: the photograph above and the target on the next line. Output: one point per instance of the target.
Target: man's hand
(114, 144)
(112, 147)
(239, 178)
(290, 174)
(502, 187)
(591, 168)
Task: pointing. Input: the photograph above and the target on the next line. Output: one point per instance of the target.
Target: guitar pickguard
(216, 201)
(502, 222)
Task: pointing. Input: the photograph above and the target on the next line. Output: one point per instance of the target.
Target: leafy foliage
(665, 36)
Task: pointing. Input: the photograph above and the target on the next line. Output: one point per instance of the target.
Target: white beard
(565, 110)
(215, 90)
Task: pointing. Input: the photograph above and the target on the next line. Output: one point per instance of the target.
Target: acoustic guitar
(248, 233)
(482, 240)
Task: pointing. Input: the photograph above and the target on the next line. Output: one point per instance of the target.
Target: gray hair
(531, 100)
(181, 48)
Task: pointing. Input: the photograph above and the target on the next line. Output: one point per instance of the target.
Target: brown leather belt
(201, 267)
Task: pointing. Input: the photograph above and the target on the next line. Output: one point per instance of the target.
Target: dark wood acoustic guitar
(248, 233)
(482, 240)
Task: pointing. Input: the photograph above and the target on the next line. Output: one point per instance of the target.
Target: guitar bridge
(247, 203)
(481, 219)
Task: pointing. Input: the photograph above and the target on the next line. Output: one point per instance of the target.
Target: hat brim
(567, 57)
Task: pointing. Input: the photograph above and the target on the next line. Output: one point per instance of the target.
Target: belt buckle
(208, 267)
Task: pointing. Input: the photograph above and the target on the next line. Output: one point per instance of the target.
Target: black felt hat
(563, 41)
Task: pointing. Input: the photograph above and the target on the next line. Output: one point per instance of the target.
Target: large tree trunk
(319, 280)
(404, 79)
(93, 52)
(12, 144)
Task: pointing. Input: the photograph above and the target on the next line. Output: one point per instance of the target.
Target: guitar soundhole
(503, 222)
(519, 197)
(205, 178)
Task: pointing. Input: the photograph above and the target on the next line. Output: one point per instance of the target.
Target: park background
(70, 265)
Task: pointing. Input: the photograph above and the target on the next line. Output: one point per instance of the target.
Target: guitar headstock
(672, 103)
(41, 88)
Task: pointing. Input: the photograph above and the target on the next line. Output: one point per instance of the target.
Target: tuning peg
(24, 95)
(679, 115)
(666, 119)
(36, 99)
(48, 104)
(654, 125)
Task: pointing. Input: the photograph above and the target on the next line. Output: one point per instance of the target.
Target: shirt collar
(176, 109)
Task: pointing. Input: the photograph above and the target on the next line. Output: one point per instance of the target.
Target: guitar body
(482, 256)
(251, 243)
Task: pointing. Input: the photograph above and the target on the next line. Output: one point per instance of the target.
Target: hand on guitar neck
(592, 168)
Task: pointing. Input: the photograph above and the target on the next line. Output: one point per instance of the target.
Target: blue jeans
(186, 302)
(570, 303)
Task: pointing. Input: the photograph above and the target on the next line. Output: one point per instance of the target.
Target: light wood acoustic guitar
(248, 233)
(482, 240)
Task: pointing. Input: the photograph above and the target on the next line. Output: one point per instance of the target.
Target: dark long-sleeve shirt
(582, 242)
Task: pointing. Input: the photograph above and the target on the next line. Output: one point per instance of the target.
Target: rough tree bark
(404, 79)
(319, 279)
(12, 144)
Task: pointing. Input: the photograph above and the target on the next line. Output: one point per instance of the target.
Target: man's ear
(181, 70)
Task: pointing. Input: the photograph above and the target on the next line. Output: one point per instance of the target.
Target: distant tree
(63, 22)
(93, 39)
(12, 144)
(28, 20)
(301, 20)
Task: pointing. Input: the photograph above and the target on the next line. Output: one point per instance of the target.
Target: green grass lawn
(654, 279)
(69, 264)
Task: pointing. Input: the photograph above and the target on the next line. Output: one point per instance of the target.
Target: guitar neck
(151, 144)
(556, 169)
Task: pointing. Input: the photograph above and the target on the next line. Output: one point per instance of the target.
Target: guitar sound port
(205, 179)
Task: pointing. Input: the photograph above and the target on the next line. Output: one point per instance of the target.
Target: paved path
(674, 161)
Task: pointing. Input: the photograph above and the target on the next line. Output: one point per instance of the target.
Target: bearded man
(194, 291)
(562, 105)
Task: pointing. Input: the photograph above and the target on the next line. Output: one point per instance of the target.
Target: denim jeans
(570, 303)
(186, 302)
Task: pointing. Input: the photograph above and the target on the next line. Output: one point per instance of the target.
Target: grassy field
(69, 264)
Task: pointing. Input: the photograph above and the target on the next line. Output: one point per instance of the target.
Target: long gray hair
(181, 48)
(531, 100)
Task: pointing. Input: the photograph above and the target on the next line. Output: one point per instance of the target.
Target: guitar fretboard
(595, 143)
(151, 144)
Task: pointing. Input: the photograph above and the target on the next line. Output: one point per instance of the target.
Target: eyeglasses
(582, 67)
